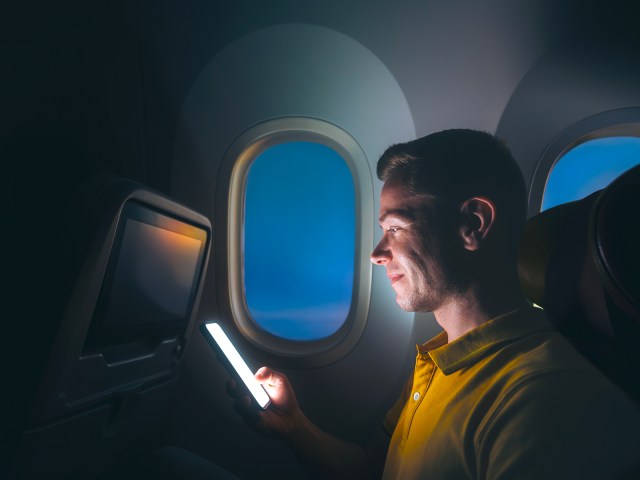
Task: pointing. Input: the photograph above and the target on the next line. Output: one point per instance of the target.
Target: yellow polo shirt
(511, 399)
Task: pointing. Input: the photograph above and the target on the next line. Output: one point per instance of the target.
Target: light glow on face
(412, 248)
(238, 364)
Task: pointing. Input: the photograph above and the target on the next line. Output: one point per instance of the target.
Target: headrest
(580, 261)
(582, 249)
(615, 232)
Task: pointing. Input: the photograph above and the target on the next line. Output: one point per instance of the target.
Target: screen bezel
(101, 335)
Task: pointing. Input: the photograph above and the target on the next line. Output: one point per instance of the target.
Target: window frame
(623, 122)
(239, 156)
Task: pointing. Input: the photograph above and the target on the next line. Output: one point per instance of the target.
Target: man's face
(416, 248)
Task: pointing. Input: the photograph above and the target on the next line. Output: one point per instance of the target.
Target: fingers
(247, 410)
(242, 403)
(233, 389)
(281, 417)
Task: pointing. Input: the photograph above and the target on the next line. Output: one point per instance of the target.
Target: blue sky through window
(590, 166)
(299, 240)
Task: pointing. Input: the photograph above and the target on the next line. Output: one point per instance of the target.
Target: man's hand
(282, 417)
(322, 455)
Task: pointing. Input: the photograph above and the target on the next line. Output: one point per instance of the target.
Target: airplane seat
(580, 262)
(136, 261)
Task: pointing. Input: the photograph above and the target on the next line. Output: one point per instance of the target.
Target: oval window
(588, 167)
(299, 240)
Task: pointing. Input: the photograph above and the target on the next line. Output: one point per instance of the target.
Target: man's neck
(471, 309)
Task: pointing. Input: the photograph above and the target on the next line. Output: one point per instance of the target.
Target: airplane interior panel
(173, 164)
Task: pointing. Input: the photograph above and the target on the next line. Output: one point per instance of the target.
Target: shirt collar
(472, 346)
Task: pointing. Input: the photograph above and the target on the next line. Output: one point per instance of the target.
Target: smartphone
(233, 361)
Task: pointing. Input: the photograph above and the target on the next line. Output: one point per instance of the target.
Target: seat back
(580, 262)
(136, 260)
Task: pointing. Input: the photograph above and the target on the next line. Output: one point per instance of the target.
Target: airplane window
(588, 167)
(299, 240)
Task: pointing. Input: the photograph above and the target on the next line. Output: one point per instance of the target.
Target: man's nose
(381, 254)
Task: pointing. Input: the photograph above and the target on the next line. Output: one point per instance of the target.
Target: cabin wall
(581, 84)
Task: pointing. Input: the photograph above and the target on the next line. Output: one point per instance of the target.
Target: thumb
(269, 376)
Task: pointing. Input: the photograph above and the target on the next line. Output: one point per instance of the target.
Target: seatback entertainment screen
(152, 276)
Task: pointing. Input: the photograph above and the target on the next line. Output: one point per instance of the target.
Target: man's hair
(460, 164)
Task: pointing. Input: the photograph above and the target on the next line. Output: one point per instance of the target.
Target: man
(498, 394)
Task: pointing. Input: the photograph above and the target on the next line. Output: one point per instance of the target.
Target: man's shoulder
(556, 403)
(547, 361)
(540, 399)
(545, 352)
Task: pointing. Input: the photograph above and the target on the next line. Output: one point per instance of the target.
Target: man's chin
(412, 305)
(404, 303)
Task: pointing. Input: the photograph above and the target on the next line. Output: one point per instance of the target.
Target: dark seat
(580, 261)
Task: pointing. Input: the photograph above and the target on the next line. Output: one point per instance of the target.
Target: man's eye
(393, 229)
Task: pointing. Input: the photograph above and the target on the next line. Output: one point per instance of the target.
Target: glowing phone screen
(238, 364)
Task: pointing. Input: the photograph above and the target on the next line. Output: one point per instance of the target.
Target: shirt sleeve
(391, 418)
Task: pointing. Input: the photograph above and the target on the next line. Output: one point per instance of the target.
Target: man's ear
(478, 215)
